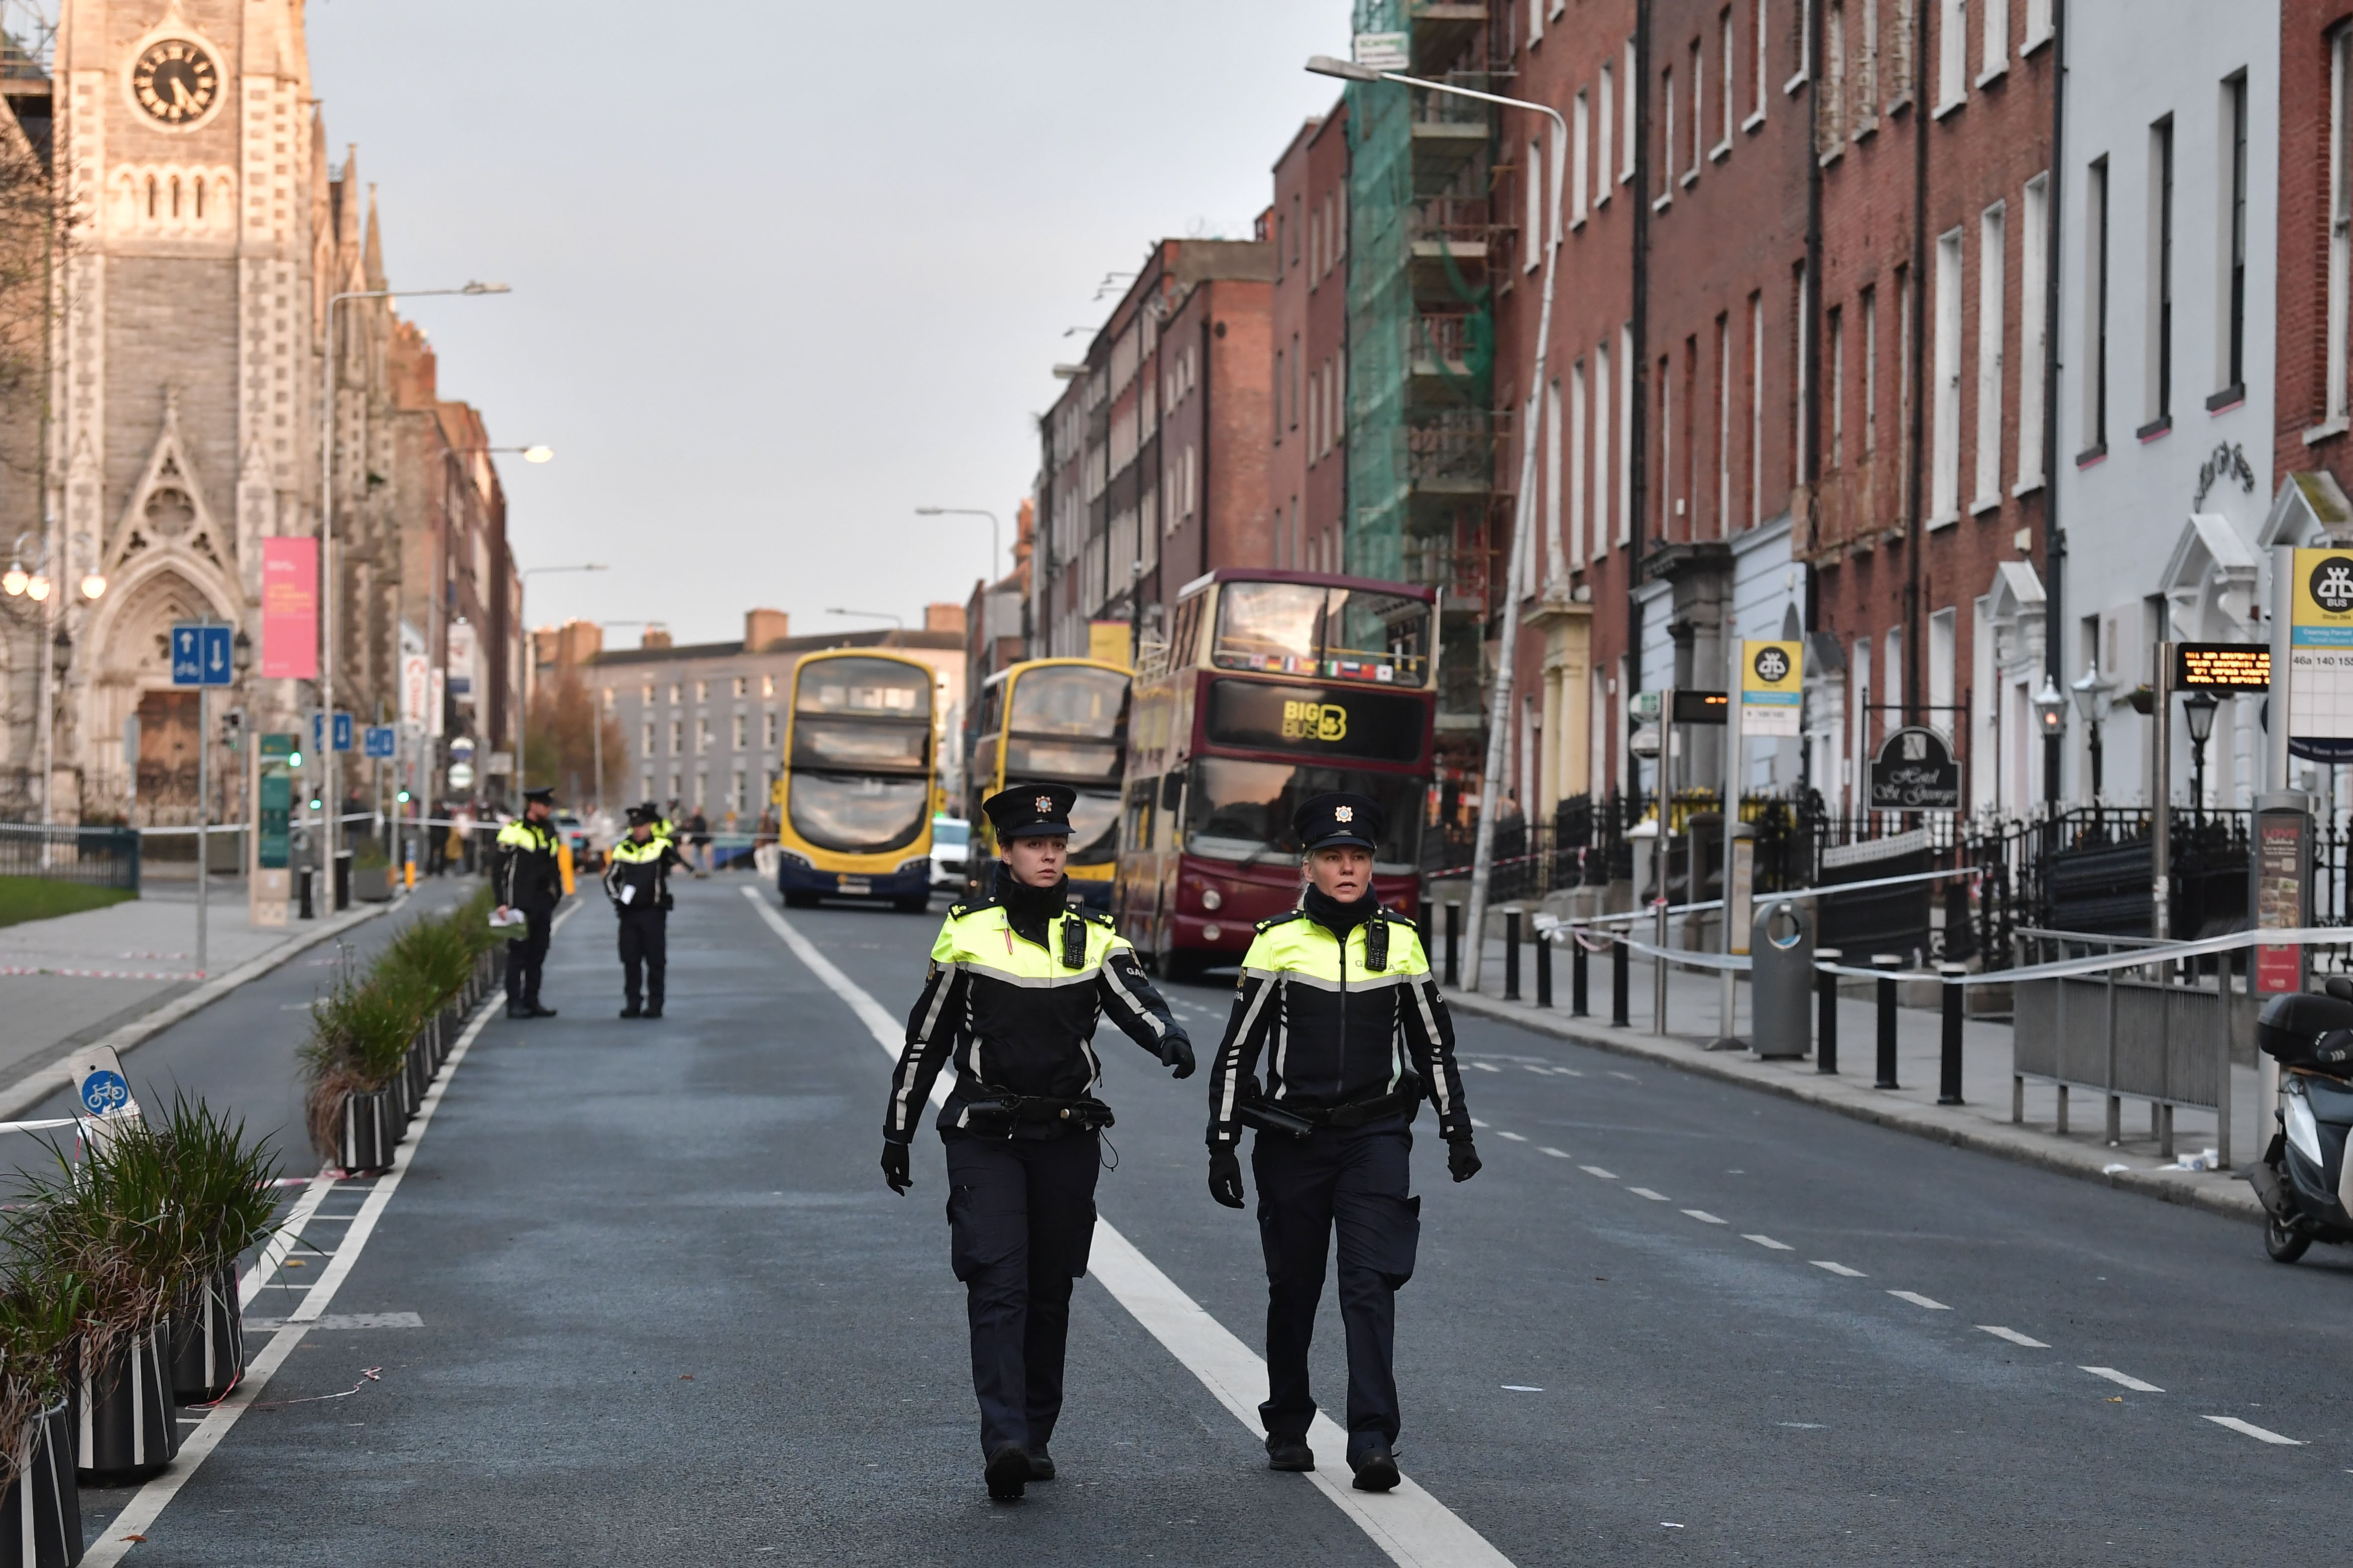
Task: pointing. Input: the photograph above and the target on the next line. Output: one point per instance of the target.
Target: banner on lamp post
(289, 609)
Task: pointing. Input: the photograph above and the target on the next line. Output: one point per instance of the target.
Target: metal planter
(129, 1424)
(40, 1512)
(369, 1128)
(209, 1340)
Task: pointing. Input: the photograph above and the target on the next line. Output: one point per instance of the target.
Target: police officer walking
(528, 879)
(1344, 987)
(637, 878)
(1017, 981)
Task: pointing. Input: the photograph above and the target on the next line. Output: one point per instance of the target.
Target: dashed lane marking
(1702, 1217)
(1841, 1269)
(1917, 1300)
(1514, 1137)
(1630, 1078)
(2012, 1335)
(2260, 1434)
(1647, 1193)
(1767, 1243)
(1549, 1149)
(1486, 1067)
(2124, 1380)
(1413, 1528)
(1597, 1170)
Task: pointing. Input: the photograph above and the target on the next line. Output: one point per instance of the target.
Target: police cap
(1031, 811)
(1328, 821)
(642, 817)
(545, 795)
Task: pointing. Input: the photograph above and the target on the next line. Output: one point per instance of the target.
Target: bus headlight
(790, 859)
(1210, 901)
(920, 865)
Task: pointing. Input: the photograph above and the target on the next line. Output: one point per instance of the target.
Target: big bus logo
(1314, 721)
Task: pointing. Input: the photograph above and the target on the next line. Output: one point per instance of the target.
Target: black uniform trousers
(526, 957)
(645, 945)
(1353, 1180)
(1021, 1217)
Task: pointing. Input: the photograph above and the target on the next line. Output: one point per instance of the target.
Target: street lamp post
(1482, 853)
(41, 585)
(2198, 709)
(996, 534)
(2091, 693)
(333, 798)
(897, 621)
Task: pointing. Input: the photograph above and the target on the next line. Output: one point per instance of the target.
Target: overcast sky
(783, 271)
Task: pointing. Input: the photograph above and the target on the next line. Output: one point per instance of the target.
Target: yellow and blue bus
(1052, 721)
(860, 781)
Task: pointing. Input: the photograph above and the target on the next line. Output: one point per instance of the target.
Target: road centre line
(1841, 1269)
(1549, 1149)
(1647, 1193)
(130, 1527)
(1597, 1170)
(2012, 1335)
(1514, 1137)
(1412, 1527)
(1704, 1217)
(2123, 1379)
(1917, 1300)
(2259, 1432)
(1768, 1244)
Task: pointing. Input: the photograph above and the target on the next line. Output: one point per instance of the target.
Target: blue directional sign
(200, 654)
(319, 731)
(382, 739)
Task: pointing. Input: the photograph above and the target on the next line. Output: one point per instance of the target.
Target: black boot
(1008, 1471)
(517, 1010)
(1376, 1470)
(1289, 1454)
(654, 1011)
(539, 1012)
(1042, 1464)
(632, 1011)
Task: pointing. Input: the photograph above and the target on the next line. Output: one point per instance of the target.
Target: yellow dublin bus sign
(1772, 688)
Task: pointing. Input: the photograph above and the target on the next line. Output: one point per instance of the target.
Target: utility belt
(1033, 1116)
(1300, 1121)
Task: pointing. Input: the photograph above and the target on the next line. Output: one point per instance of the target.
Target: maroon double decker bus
(1272, 687)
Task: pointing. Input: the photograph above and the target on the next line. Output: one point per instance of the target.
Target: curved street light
(996, 534)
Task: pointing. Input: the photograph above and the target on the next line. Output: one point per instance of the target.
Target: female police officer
(1362, 1037)
(1017, 984)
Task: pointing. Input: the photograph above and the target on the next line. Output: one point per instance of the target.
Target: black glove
(1176, 1051)
(895, 1167)
(1461, 1159)
(1226, 1175)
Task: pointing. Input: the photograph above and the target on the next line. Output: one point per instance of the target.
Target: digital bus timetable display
(2222, 666)
(1268, 716)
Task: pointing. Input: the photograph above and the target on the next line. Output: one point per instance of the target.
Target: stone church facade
(205, 233)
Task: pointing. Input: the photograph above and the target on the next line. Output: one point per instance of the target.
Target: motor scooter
(2304, 1181)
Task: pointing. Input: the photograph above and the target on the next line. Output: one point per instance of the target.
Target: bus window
(1269, 626)
(1241, 811)
(1094, 828)
(1297, 628)
(1068, 700)
(861, 815)
(1071, 761)
(1383, 630)
(859, 744)
(877, 687)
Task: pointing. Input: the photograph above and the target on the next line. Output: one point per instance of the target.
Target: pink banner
(289, 609)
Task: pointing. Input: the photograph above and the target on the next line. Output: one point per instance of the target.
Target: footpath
(115, 976)
(1982, 1122)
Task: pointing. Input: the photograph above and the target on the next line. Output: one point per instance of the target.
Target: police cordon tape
(2059, 969)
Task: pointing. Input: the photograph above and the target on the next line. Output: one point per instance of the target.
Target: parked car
(951, 842)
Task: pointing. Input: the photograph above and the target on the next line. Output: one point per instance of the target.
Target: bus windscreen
(1068, 700)
(859, 814)
(1344, 634)
(873, 688)
(1241, 811)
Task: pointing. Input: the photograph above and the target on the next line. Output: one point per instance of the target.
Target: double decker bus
(855, 799)
(1272, 687)
(1052, 721)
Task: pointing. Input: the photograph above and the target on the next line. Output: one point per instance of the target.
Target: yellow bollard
(409, 866)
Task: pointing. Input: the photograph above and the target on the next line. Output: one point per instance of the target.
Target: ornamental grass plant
(38, 1310)
(113, 1224)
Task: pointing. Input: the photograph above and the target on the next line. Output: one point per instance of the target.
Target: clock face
(175, 82)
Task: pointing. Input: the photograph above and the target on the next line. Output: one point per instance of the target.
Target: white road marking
(2234, 1424)
(1486, 1067)
(1630, 1078)
(1597, 1170)
(1542, 1072)
(1568, 1072)
(128, 1527)
(1917, 1300)
(2012, 1335)
(1549, 1149)
(343, 1321)
(1412, 1527)
(2124, 1379)
(1514, 1137)
(1702, 1217)
(1841, 1269)
(1521, 1388)
(1647, 1193)
(1474, 1120)
(1767, 1243)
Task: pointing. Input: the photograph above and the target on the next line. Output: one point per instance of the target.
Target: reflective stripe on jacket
(1016, 1017)
(527, 876)
(643, 867)
(1335, 1030)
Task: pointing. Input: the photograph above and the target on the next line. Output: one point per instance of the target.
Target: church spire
(372, 248)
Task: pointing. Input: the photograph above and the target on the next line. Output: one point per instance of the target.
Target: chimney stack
(763, 629)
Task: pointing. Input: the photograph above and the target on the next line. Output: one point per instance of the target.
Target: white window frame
(1944, 653)
(1536, 22)
(1993, 48)
(1533, 200)
(1724, 520)
(1952, 56)
(1552, 474)
(2039, 30)
(1698, 109)
(1602, 392)
(1868, 301)
(1945, 422)
(1764, 66)
(1834, 338)
(1722, 148)
(1604, 112)
(1581, 157)
(1755, 407)
(1626, 415)
(1805, 70)
(2034, 328)
(1629, 130)
(1576, 436)
(2339, 234)
(1993, 233)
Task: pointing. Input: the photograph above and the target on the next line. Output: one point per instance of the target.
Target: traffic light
(403, 797)
(314, 803)
(293, 759)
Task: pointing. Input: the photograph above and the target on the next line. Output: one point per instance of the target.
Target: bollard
(1826, 1014)
(1577, 966)
(1618, 1018)
(1887, 964)
(1658, 968)
(1453, 945)
(1544, 969)
(305, 911)
(1511, 954)
(1948, 1070)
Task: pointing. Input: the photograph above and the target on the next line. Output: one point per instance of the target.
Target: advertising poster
(289, 609)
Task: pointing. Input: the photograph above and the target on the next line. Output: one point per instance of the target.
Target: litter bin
(1781, 985)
